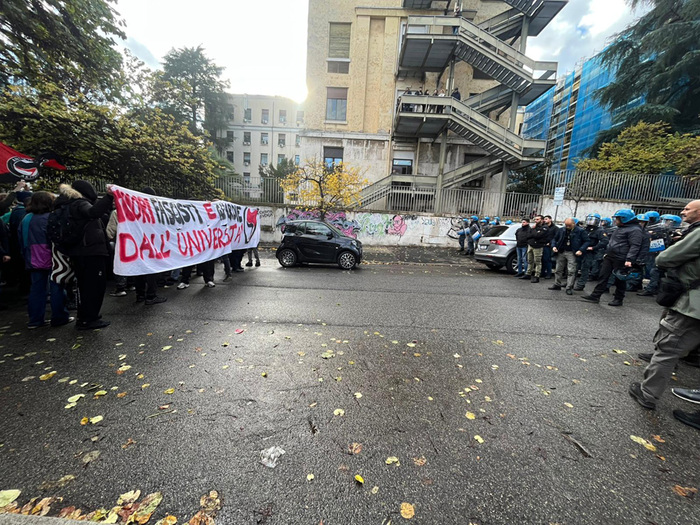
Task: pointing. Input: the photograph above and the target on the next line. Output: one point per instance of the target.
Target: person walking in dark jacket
(548, 258)
(622, 253)
(19, 274)
(90, 255)
(521, 236)
(569, 243)
(537, 239)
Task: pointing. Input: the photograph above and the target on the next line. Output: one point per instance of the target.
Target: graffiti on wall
(364, 224)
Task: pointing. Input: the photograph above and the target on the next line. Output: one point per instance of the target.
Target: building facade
(264, 130)
(569, 116)
(365, 57)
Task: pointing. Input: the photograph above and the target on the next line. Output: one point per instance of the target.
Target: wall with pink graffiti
(370, 228)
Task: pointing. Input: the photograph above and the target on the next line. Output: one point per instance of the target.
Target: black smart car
(317, 242)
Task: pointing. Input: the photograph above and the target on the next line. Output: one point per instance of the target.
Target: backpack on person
(62, 229)
(671, 289)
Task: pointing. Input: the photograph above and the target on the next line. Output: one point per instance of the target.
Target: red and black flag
(15, 166)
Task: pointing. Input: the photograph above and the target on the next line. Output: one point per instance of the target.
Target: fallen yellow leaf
(310, 477)
(84, 421)
(470, 415)
(169, 391)
(643, 442)
(407, 511)
(48, 376)
(95, 420)
(393, 459)
(478, 439)
(359, 479)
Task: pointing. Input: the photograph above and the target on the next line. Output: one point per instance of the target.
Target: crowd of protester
(62, 247)
(617, 254)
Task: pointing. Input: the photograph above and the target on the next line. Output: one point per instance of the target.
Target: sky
(262, 44)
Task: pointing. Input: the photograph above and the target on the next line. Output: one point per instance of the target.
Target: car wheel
(494, 266)
(512, 263)
(287, 258)
(347, 260)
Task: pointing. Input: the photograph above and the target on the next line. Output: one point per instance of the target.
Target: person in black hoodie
(621, 254)
(537, 239)
(90, 255)
(521, 235)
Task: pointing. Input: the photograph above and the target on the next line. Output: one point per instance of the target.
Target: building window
(229, 112)
(339, 40)
(264, 140)
(280, 158)
(246, 158)
(402, 167)
(263, 159)
(340, 67)
(332, 156)
(297, 141)
(248, 115)
(229, 136)
(283, 116)
(297, 159)
(265, 116)
(336, 104)
(246, 177)
(300, 117)
(282, 140)
(229, 156)
(246, 138)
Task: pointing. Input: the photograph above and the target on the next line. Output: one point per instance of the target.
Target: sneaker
(518, 275)
(227, 278)
(535, 279)
(554, 287)
(590, 299)
(66, 321)
(156, 300)
(238, 270)
(692, 420)
(569, 291)
(646, 293)
(249, 264)
(615, 302)
(182, 286)
(257, 264)
(526, 276)
(93, 325)
(635, 390)
(692, 395)
(118, 293)
(209, 284)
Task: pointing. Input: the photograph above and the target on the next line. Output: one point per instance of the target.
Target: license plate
(483, 247)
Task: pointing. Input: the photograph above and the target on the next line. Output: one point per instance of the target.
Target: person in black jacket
(569, 243)
(90, 255)
(622, 253)
(548, 258)
(536, 240)
(521, 235)
(598, 239)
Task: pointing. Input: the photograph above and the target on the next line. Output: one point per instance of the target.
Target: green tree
(658, 58)
(647, 148)
(69, 43)
(194, 91)
(281, 170)
(530, 179)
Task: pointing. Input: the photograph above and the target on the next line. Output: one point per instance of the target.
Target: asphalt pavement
(455, 394)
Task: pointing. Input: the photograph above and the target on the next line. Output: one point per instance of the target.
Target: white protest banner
(157, 234)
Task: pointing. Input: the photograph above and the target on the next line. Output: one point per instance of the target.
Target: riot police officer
(660, 239)
(595, 234)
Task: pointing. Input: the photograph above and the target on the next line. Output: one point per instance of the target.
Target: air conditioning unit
(246, 120)
(281, 144)
(246, 163)
(264, 121)
(246, 143)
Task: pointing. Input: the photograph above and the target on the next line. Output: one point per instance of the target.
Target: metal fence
(666, 189)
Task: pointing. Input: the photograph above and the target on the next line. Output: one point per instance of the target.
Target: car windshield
(496, 231)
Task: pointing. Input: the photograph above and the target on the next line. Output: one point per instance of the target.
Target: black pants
(606, 270)
(91, 274)
(236, 257)
(207, 270)
(146, 285)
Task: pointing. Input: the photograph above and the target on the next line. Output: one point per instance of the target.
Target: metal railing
(625, 187)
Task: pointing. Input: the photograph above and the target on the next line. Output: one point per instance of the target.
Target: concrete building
(364, 54)
(264, 130)
(569, 116)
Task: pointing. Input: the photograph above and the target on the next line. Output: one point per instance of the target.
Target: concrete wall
(585, 207)
(377, 229)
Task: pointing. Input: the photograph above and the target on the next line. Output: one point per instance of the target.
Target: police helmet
(627, 274)
(474, 218)
(643, 217)
(487, 218)
(625, 215)
(576, 221)
(483, 221)
(671, 221)
(497, 218)
(607, 221)
(465, 219)
(593, 219)
(653, 217)
(509, 222)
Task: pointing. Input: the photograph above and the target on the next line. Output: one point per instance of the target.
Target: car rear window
(294, 227)
(496, 231)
